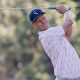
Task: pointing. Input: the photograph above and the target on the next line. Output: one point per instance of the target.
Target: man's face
(41, 22)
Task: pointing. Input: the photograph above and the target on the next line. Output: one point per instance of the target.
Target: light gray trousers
(58, 78)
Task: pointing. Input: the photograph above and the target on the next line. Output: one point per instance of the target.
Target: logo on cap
(35, 12)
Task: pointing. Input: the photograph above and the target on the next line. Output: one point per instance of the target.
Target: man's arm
(67, 24)
(68, 33)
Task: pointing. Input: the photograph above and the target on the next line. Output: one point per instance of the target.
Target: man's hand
(61, 9)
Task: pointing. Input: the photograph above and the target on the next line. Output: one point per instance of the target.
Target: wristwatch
(68, 9)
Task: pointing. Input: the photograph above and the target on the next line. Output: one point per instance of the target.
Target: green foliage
(21, 53)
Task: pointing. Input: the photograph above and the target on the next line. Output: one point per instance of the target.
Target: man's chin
(46, 27)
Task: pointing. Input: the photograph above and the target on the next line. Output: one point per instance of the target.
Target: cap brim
(35, 19)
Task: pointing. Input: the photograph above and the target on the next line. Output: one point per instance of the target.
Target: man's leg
(58, 78)
(78, 78)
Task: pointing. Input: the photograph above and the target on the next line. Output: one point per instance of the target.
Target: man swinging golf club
(55, 41)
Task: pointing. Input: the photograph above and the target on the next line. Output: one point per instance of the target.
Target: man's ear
(34, 25)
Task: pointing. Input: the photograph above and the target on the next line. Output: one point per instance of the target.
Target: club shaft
(11, 8)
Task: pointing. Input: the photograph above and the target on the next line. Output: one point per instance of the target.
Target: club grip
(52, 7)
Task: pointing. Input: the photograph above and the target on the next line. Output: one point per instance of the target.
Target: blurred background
(21, 54)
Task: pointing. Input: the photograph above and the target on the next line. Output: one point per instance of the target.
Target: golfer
(56, 43)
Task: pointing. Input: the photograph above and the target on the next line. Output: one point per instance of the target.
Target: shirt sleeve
(58, 30)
